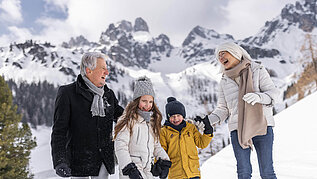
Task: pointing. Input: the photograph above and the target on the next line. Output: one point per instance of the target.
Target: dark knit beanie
(174, 107)
(143, 86)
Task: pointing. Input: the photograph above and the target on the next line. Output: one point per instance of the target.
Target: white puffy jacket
(228, 92)
(140, 148)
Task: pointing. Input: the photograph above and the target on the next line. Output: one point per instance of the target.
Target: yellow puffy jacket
(181, 148)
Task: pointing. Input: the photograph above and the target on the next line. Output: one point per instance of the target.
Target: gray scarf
(251, 121)
(97, 107)
(145, 114)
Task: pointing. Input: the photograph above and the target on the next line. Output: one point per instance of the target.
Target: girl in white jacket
(137, 135)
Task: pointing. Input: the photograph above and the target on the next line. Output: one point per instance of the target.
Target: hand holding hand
(252, 98)
(63, 170)
(199, 123)
(208, 127)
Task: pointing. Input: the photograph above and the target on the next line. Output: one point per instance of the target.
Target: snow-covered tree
(16, 139)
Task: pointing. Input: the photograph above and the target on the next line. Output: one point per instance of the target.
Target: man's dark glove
(208, 127)
(165, 166)
(132, 171)
(63, 170)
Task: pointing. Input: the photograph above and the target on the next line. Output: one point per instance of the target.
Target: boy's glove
(156, 169)
(165, 166)
(63, 170)
(208, 127)
(161, 168)
(132, 171)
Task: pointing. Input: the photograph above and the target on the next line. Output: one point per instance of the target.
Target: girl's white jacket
(139, 148)
(227, 105)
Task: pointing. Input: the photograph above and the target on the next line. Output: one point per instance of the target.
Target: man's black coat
(79, 140)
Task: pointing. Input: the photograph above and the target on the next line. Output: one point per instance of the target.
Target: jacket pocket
(137, 160)
(176, 170)
(193, 163)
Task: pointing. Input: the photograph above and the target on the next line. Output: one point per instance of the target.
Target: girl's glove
(132, 171)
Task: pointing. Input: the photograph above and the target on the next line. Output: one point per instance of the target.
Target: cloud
(174, 18)
(11, 11)
(90, 18)
(56, 5)
(15, 35)
(245, 18)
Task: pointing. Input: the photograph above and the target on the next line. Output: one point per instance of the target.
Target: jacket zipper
(148, 150)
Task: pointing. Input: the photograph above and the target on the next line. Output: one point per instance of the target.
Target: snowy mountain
(294, 148)
(289, 34)
(199, 46)
(134, 45)
(190, 72)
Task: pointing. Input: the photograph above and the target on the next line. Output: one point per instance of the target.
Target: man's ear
(88, 70)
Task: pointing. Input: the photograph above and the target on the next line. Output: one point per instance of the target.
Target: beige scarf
(251, 121)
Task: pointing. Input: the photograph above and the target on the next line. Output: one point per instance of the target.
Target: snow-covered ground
(295, 148)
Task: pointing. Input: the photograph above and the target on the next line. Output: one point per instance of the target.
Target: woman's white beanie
(234, 49)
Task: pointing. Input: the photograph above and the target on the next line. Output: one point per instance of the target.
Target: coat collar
(178, 128)
(82, 88)
(255, 65)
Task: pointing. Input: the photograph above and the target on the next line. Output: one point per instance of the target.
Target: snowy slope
(41, 162)
(294, 153)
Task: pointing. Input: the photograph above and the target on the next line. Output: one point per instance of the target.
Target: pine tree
(16, 139)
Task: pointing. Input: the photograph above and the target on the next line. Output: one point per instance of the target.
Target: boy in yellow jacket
(180, 138)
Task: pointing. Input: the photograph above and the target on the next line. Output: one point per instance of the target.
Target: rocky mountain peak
(125, 26)
(122, 29)
(303, 12)
(140, 25)
(208, 34)
(76, 42)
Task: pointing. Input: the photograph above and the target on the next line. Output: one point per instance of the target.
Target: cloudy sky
(56, 21)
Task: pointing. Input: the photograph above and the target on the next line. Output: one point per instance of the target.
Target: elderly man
(85, 110)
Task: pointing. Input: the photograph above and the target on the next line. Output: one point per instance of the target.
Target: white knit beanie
(143, 86)
(234, 49)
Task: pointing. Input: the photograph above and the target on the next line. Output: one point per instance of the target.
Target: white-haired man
(85, 110)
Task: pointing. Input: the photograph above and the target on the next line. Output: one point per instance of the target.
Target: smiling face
(146, 102)
(98, 75)
(227, 60)
(176, 119)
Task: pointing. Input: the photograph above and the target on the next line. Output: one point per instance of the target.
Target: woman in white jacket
(246, 95)
(137, 135)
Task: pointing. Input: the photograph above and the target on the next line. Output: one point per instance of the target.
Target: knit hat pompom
(174, 107)
(170, 99)
(143, 86)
